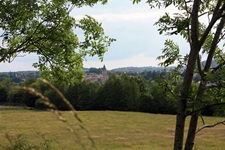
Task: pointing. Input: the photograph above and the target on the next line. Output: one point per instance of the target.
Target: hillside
(142, 69)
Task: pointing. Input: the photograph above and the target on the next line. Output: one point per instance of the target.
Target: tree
(82, 95)
(112, 94)
(119, 93)
(132, 93)
(6, 90)
(201, 24)
(3, 96)
(147, 104)
(143, 84)
(55, 98)
(95, 70)
(47, 29)
(28, 99)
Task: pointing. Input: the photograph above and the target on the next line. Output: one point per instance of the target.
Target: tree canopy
(201, 24)
(46, 28)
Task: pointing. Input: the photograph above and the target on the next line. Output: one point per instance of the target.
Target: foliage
(95, 70)
(19, 77)
(47, 29)
(201, 24)
(82, 95)
(118, 93)
(171, 53)
(147, 104)
(20, 142)
(157, 95)
(3, 96)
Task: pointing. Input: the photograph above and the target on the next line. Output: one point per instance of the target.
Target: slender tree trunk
(194, 118)
(182, 104)
(180, 124)
(191, 132)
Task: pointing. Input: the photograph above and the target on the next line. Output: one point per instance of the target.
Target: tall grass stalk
(57, 113)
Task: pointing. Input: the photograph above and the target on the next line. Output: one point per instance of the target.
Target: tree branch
(173, 94)
(186, 7)
(42, 52)
(219, 2)
(203, 121)
(195, 23)
(214, 44)
(216, 15)
(21, 47)
(210, 125)
(200, 67)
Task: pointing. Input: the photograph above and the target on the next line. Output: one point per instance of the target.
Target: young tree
(201, 24)
(47, 29)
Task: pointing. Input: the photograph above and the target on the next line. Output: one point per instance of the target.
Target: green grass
(109, 130)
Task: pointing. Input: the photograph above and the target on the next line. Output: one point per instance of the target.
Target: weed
(20, 142)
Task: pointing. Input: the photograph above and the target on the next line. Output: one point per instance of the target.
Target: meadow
(108, 129)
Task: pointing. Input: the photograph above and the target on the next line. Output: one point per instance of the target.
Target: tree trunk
(182, 104)
(194, 118)
(180, 124)
(192, 131)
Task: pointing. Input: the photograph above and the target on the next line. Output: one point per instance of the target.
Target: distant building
(97, 78)
(104, 74)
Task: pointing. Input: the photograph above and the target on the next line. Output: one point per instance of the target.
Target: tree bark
(180, 124)
(191, 132)
(194, 118)
(182, 103)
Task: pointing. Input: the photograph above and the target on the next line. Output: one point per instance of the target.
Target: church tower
(104, 74)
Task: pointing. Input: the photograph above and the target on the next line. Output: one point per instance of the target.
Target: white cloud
(130, 13)
(16, 66)
(21, 63)
(136, 61)
(118, 17)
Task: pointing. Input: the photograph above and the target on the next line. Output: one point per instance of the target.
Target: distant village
(95, 75)
(97, 78)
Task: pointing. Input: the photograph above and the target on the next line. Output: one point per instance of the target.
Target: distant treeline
(19, 76)
(119, 92)
(146, 72)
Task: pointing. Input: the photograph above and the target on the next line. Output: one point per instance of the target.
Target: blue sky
(138, 42)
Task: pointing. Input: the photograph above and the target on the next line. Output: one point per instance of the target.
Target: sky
(137, 44)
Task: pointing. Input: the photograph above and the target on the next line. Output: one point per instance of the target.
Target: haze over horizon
(137, 44)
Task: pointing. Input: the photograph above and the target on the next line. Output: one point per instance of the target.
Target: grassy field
(108, 129)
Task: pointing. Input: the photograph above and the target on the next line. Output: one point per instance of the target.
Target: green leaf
(47, 29)
(170, 53)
